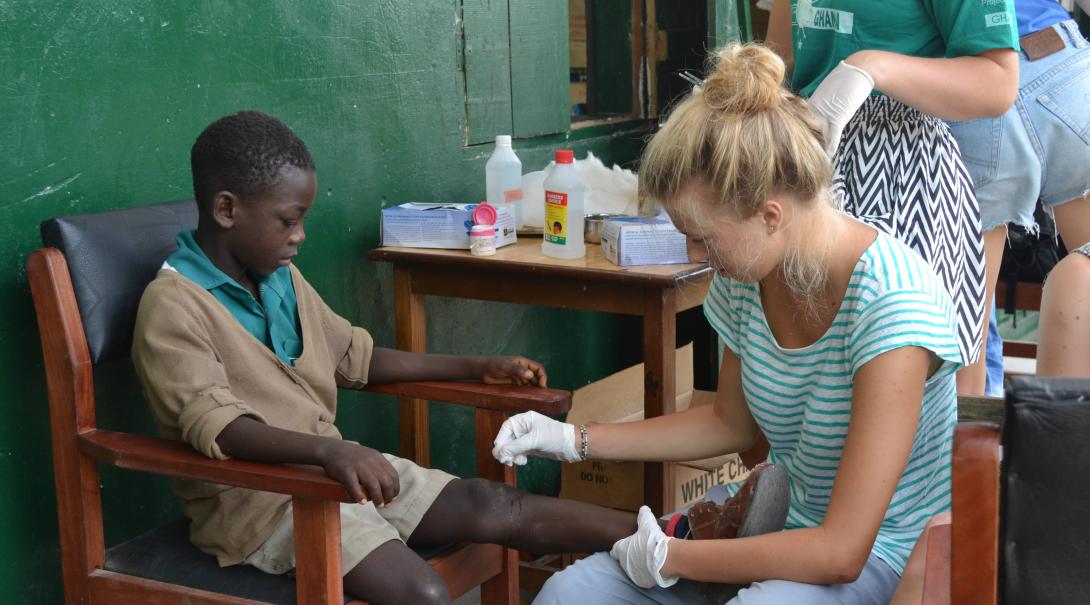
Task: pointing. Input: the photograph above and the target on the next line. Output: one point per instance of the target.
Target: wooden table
(522, 274)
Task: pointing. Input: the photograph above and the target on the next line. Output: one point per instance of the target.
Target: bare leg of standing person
(1064, 335)
(1073, 221)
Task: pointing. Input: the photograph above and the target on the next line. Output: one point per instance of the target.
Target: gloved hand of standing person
(837, 98)
(530, 433)
(643, 554)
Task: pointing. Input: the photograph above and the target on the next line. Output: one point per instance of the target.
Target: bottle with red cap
(563, 236)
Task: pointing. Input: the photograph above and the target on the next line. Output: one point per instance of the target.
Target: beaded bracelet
(583, 436)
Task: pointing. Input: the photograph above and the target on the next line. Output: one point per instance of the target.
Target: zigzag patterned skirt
(900, 171)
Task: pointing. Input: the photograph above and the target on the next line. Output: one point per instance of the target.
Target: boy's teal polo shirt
(273, 321)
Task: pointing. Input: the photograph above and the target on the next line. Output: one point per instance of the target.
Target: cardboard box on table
(619, 398)
(418, 225)
(637, 240)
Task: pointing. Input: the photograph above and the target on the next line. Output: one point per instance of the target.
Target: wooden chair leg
(411, 336)
(659, 385)
(503, 589)
(317, 551)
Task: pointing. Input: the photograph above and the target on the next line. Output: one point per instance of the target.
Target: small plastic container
(484, 214)
(482, 240)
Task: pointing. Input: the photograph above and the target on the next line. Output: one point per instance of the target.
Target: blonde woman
(841, 347)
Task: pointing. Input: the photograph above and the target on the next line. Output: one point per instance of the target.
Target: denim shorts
(1040, 148)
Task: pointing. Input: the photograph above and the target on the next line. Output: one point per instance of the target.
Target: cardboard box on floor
(619, 398)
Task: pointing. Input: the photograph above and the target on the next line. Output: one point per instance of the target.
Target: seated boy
(240, 357)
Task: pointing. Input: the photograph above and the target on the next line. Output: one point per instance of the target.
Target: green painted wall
(99, 103)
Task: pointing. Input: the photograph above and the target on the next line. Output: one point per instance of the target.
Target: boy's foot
(759, 507)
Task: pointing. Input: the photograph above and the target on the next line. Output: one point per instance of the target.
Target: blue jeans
(599, 580)
(993, 359)
(1040, 148)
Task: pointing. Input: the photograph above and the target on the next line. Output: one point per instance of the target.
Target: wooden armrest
(980, 409)
(1027, 295)
(506, 398)
(975, 532)
(177, 459)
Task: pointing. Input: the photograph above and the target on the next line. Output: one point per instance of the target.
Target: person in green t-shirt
(884, 75)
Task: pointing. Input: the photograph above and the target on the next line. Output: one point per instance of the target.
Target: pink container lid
(484, 214)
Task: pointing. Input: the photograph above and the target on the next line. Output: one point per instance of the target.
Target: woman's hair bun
(745, 79)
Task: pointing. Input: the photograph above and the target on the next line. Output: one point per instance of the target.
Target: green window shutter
(486, 53)
(613, 58)
(539, 67)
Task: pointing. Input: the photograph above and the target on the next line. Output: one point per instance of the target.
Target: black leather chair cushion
(1045, 545)
(112, 257)
(165, 554)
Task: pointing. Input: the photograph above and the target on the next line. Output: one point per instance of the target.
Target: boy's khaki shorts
(363, 526)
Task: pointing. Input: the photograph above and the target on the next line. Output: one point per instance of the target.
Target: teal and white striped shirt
(802, 398)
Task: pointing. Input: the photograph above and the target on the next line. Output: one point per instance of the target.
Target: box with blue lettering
(619, 398)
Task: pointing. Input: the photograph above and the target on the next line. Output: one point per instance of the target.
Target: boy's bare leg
(477, 510)
(393, 573)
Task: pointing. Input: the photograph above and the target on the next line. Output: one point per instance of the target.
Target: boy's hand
(513, 368)
(364, 472)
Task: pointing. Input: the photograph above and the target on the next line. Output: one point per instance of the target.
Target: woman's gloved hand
(534, 434)
(643, 554)
(837, 98)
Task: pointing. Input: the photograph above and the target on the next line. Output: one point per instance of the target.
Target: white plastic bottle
(563, 236)
(503, 178)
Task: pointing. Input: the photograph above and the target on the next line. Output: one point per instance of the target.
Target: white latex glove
(837, 98)
(530, 433)
(642, 554)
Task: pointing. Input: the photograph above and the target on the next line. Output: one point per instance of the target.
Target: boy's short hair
(243, 153)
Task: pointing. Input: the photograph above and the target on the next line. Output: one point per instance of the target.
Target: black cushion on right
(112, 256)
(166, 554)
(1045, 510)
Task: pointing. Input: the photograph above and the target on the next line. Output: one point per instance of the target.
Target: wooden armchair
(86, 306)
(1019, 296)
(1021, 503)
